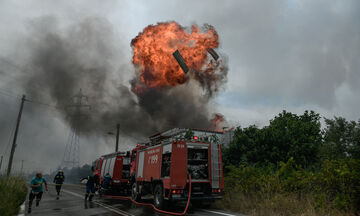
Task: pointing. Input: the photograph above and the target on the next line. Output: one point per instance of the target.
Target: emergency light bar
(176, 191)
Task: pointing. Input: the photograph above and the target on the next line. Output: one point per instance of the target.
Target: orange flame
(153, 49)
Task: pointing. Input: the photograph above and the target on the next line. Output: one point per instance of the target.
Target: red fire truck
(117, 164)
(162, 167)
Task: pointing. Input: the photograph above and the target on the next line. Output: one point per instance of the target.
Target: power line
(19, 69)
(8, 94)
(45, 104)
(16, 67)
(8, 77)
(16, 96)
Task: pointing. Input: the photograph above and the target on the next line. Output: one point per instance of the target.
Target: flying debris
(212, 52)
(181, 61)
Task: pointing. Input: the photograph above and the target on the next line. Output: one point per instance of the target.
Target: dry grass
(12, 194)
(277, 205)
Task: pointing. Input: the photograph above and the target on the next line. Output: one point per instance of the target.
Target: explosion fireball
(158, 74)
(153, 49)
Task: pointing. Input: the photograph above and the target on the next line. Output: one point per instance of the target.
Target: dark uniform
(97, 181)
(90, 187)
(59, 180)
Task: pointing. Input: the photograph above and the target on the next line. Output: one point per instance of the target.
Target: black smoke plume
(89, 55)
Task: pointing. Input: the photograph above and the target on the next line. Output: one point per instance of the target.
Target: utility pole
(15, 136)
(117, 137)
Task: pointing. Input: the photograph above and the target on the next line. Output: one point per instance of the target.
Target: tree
(293, 136)
(341, 139)
(245, 146)
(287, 136)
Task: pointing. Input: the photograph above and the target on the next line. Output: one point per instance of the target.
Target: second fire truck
(162, 166)
(118, 166)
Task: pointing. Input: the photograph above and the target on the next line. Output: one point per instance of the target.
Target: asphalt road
(72, 203)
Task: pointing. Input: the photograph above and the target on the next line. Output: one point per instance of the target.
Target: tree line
(294, 166)
(300, 137)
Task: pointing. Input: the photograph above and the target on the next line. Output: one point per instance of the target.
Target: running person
(59, 180)
(36, 189)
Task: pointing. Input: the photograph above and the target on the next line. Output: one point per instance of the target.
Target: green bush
(340, 181)
(333, 187)
(13, 193)
(320, 174)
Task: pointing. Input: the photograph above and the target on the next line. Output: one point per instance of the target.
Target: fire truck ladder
(216, 165)
(164, 136)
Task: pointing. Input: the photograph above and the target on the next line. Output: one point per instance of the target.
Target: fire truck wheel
(134, 194)
(158, 196)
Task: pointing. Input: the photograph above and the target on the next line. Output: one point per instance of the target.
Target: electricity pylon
(76, 113)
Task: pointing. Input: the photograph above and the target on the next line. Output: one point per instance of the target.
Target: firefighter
(107, 180)
(59, 180)
(105, 184)
(36, 189)
(90, 187)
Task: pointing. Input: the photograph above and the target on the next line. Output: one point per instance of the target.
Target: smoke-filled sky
(290, 54)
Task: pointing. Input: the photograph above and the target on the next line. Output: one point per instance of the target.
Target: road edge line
(108, 207)
(215, 212)
(22, 209)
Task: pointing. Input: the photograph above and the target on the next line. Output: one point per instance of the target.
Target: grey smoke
(84, 56)
(292, 55)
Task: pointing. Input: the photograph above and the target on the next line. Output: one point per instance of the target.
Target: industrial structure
(76, 111)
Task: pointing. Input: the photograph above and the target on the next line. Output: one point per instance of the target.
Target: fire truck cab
(117, 164)
(162, 167)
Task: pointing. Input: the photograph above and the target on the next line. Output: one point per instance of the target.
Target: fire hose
(152, 205)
